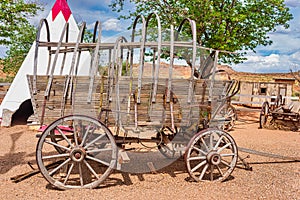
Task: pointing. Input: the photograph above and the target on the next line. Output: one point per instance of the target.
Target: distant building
(253, 93)
(257, 88)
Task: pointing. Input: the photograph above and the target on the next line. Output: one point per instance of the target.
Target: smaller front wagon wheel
(211, 155)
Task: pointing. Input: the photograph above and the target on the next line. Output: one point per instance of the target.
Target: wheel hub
(213, 158)
(78, 154)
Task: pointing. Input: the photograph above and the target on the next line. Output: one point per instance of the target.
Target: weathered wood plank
(158, 111)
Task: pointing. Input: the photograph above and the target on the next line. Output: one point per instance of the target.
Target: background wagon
(277, 114)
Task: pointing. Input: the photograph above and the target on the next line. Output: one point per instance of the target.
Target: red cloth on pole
(61, 5)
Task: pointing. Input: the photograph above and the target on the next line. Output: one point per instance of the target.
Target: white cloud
(272, 59)
(3, 49)
(272, 63)
(283, 54)
(295, 58)
(282, 43)
(292, 3)
(90, 26)
(112, 24)
(91, 16)
(89, 4)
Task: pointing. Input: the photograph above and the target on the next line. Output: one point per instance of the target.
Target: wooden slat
(183, 111)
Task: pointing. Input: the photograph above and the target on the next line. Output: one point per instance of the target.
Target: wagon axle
(213, 158)
(78, 154)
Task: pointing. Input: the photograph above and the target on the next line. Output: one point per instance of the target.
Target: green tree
(18, 49)
(16, 32)
(232, 25)
(14, 14)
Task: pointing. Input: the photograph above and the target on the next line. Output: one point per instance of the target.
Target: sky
(282, 56)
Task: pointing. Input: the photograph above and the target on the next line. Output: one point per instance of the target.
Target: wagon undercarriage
(84, 161)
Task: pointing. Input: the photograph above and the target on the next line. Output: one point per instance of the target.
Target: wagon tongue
(270, 155)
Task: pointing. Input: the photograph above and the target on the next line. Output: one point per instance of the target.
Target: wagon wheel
(168, 148)
(55, 139)
(279, 101)
(263, 117)
(81, 158)
(211, 155)
(230, 118)
(172, 150)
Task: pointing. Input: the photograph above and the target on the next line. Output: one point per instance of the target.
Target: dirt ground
(270, 179)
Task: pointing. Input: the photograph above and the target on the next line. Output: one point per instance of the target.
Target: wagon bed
(55, 105)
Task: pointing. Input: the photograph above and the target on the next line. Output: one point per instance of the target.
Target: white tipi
(19, 92)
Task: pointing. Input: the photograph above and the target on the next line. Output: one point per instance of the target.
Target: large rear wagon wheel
(82, 155)
(230, 117)
(211, 155)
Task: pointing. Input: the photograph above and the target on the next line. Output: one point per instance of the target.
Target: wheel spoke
(99, 150)
(212, 172)
(204, 143)
(203, 171)
(69, 173)
(98, 160)
(80, 174)
(59, 166)
(211, 141)
(225, 163)
(224, 147)
(218, 143)
(95, 140)
(197, 158)
(75, 133)
(64, 136)
(230, 113)
(56, 156)
(57, 145)
(85, 135)
(91, 169)
(199, 165)
(218, 168)
(200, 150)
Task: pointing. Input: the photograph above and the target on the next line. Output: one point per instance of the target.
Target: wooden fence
(257, 100)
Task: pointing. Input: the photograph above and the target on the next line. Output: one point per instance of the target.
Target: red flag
(61, 5)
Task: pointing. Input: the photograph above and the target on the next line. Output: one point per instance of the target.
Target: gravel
(270, 179)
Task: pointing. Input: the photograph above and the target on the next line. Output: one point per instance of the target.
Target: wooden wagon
(276, 114)
(94, 121)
